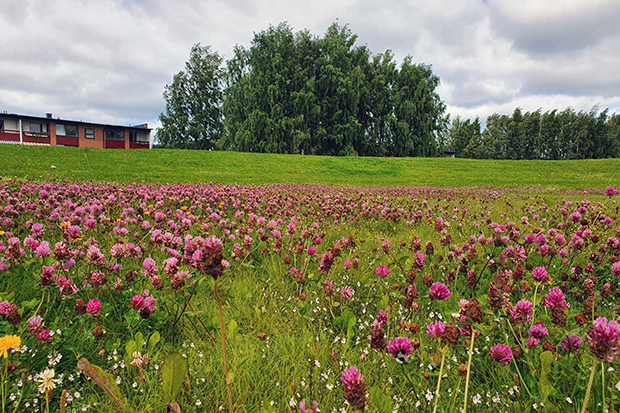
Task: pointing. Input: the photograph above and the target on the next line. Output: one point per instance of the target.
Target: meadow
(185, 166)
(305, 297)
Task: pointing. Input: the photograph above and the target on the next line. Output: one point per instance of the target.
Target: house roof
(141, 127)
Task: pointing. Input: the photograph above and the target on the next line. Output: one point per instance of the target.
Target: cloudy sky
(108, 61)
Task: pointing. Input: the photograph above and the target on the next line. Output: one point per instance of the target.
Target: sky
(108, 61)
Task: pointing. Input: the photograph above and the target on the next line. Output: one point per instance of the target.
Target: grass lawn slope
(184, 166)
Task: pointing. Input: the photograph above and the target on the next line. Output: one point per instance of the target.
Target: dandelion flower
(7, 343)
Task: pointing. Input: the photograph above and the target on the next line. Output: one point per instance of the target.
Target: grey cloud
(543, 28)
(108, 61)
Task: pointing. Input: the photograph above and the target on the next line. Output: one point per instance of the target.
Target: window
(36, 127)
(114, 135)
(67, 130)
(89, 133)
(138, 136)
(1, 124)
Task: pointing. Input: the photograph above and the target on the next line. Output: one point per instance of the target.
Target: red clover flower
(400, 348)
(439, 291)
(354, 388)
(540, 274)
(603, 339)
(382, 271)
(501, 353)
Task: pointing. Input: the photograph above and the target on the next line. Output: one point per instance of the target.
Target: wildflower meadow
(307, 298)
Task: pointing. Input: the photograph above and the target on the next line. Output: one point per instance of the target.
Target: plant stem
(585, 399)
(521, 377)
(473, 291)
(406, 373)
(456, 394)
(603, 382)
(471, 353)
(534, 302)
(198, 318)
(228, 381)
(4, 368)
(443, 358)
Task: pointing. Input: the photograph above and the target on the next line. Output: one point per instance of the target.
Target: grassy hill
(184, 166)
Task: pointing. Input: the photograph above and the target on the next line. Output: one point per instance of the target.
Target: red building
(34, 130)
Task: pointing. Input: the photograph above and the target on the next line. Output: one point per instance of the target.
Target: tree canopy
(298, 93)
(535, 135)
(193, 117)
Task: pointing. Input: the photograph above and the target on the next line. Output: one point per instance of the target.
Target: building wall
(91, 143)
(49, 126)
(26, 124)
(53, 141)
(11, 124)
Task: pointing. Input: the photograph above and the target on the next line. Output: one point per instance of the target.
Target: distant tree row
(536, 135)
(302, 94)
(298, 93)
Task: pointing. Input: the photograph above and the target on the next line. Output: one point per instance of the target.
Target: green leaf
(384, 303)
(380, 400)
(139, 339)
(267, 408)
(545, 387)
(539, 298)
(349, 318)
(173, 372)
(104, 380)
(484, 329)
(130, 348)
(29, 305)
(153, 340)
(305, 309)
(232, 329)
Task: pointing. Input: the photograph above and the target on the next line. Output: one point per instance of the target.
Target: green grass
(184, 166)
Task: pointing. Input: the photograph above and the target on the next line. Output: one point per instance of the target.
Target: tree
(494, 137)
(465, 138)
(419, 110)
(296, 93)
(193, 117)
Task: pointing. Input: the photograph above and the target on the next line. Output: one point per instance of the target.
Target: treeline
(301, 94)
(536, 135)
(297, 93)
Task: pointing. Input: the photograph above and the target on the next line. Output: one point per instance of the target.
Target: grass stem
(443, 359)
(471, 353)
(228, 379)
(589, 388)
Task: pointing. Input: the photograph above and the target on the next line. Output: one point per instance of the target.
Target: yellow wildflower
(7, 343)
